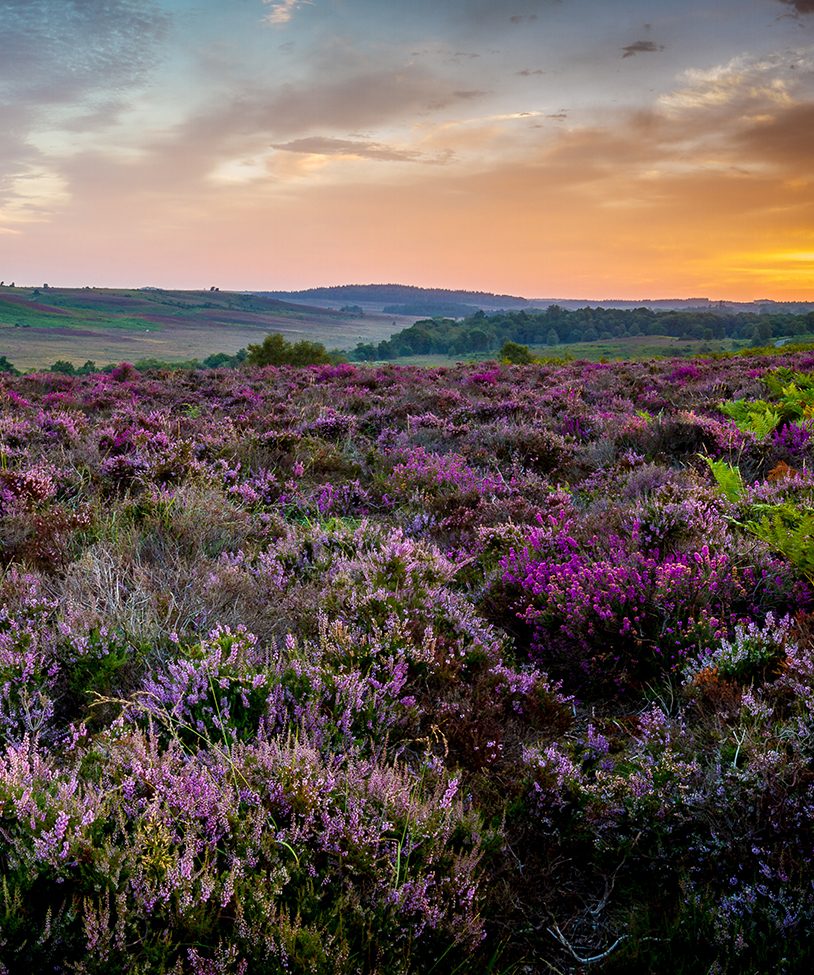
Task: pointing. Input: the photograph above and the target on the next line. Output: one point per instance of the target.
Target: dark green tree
(308, 354)
(275, 351)
(63, 366)
(762, 332)
(517, 354)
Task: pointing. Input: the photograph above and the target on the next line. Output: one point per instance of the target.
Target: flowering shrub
(348, 669)
(618, 611)
(753, 653)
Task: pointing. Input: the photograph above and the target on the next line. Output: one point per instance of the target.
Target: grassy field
(41, 325)
(633, 348)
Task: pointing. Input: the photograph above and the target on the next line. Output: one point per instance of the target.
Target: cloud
(355, 102)
(30, 196)
(800, 6)
(467, 93)
(744, 85)
(56, 51)
(282, 11)
(641, 47)
(528, 72)
(784, 138)
(65, 65)
(100, 115)
(226, 143)
(480, 20)
(327, 146)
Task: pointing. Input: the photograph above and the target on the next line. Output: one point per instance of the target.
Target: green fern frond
(789, 531)
(728, 478)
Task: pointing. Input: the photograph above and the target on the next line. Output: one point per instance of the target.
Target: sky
(548, 148)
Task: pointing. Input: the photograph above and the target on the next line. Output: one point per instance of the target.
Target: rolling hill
(40, 325)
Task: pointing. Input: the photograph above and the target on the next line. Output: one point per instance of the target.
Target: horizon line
(381, 284)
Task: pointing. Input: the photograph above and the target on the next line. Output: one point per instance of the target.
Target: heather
(345, 669)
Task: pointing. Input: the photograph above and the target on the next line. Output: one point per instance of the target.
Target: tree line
(555, 325)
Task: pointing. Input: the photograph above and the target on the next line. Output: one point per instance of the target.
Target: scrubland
(351, 669)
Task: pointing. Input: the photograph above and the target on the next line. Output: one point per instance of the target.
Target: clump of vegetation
(728, 478)
(516, 354)
(274, 350)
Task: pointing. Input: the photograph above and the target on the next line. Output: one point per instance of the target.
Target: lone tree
(275, 351)
(518, 355)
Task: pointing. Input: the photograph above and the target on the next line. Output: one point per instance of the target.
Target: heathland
(347, 668)
(39, 326)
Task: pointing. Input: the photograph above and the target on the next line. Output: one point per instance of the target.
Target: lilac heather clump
(331, 425)
(753, 650)
(217, 687)
(445, 474)
(29, 668)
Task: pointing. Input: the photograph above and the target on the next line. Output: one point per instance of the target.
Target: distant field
(639, 347)
(39, 326)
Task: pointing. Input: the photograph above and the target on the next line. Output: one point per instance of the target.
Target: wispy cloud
(353, 103)
(784, 138)
(327, 146)
(745, 83)
(282, 11)
(53, 52)
(65, 66)
(32, 196)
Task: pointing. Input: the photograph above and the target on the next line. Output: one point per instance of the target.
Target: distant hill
(401, 294)
(404, 299)
(759, 307)
(40, 325)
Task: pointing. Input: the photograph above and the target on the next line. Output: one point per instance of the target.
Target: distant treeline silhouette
(483, 332)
